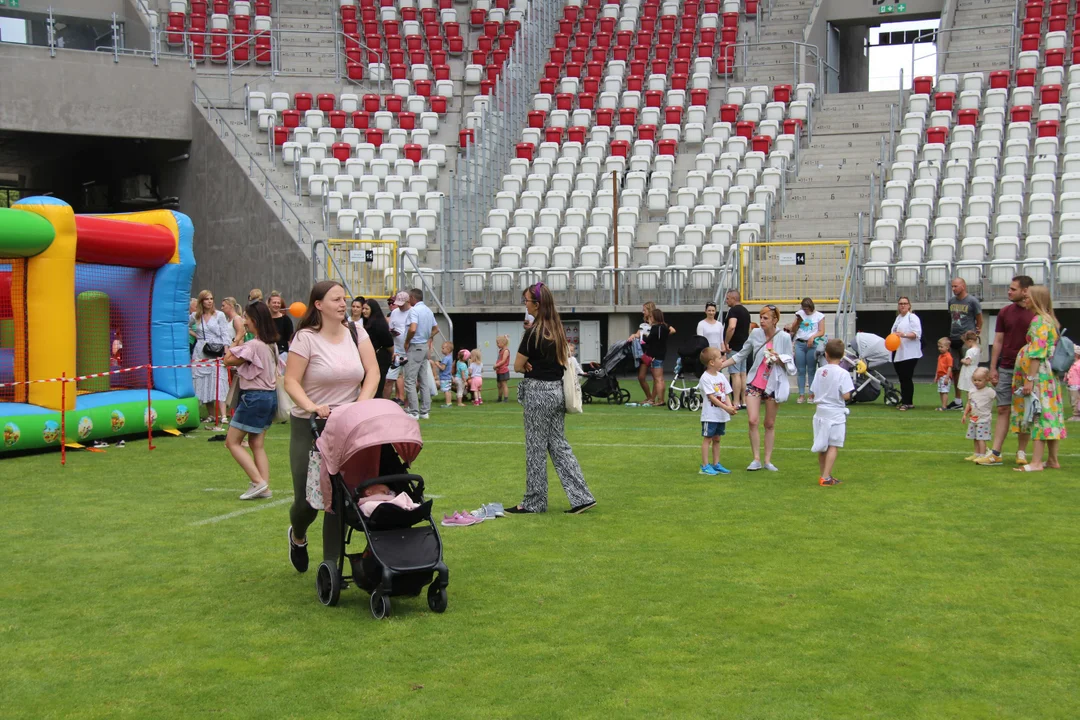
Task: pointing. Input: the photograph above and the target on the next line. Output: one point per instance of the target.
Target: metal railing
(929, 280)
(497, 128)
(224, 130)
(582, 287)
(322, 270)
(805, 63)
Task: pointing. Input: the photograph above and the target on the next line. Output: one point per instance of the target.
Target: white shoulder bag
(571, 389)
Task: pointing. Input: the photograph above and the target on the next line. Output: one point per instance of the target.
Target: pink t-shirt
(761, 379)
(334, 373)
(260, 370)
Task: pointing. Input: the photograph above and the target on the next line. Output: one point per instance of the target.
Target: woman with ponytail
(543, 356)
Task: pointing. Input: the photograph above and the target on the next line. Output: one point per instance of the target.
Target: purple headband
(536, 291)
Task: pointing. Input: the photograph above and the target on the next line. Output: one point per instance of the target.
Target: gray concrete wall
(853, 59)
(239, 241)
(86, 93)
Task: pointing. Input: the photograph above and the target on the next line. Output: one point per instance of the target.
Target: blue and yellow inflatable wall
(42, 242)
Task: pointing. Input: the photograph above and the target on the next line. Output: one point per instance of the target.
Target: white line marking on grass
(220, 490)
(726, 447)
(238, 513)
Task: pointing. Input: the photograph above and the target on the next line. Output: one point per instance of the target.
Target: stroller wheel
(892, 397)
(673, 401)
(587, 399)
(380, 605)
(624, 396)
(436, 599)
(328, 584)
(693, 403)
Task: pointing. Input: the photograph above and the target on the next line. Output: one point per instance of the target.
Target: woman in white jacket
(771, 351)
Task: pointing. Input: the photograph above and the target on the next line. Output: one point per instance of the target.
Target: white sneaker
(255, 491)
(771, 468)
(755, 465)
(425, 416)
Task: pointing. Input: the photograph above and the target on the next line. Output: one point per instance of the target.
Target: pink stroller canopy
(358, 426)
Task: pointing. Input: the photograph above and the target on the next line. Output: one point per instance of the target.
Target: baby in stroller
(365, 450)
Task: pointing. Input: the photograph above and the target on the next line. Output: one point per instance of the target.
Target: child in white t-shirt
(716, 410)
(970, 362)
(978, 411)
(831, 388)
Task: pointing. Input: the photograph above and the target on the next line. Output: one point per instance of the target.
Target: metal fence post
(115, 40)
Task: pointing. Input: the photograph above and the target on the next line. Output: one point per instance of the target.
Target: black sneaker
(297, 554)
(580, 508)
(955, 405)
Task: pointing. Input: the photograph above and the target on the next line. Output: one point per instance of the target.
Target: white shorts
(392, 373)
(828, 434)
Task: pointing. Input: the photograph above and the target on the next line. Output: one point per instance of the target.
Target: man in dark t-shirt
(965, 313)
(736, 330)
(1010, 334)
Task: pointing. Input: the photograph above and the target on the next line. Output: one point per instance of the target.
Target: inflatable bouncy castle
(87, 298)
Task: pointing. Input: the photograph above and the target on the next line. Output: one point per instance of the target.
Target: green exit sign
(887, 9)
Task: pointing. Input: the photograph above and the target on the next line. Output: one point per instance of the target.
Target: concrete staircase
(769, 61)
(306, 40)
(985, 49)
(833, 183)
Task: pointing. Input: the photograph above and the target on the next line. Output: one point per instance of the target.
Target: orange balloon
(892, 342)
(297, 309)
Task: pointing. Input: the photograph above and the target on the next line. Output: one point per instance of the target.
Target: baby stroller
(681, 394)
(867, 353)
(364, 444)
(600, 381)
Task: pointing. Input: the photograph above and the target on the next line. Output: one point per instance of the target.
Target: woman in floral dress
(1035, 378)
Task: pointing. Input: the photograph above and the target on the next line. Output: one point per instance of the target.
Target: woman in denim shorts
(256, 363)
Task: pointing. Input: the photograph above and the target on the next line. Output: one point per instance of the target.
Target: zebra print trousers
(545, 412)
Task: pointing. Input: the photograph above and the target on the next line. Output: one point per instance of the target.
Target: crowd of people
(344, 350)
(1019, 380)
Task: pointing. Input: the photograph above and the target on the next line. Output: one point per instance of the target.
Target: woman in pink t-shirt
(256, 363)
(326, 368)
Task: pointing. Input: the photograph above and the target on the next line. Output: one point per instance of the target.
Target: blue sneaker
(708, 470)
(720, 469)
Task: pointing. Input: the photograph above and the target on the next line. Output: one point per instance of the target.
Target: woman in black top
(379, 332)
(542, 356)
(656, 348)
(282, 322)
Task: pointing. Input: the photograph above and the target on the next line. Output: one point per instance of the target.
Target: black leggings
(906, 370)
(385, 356)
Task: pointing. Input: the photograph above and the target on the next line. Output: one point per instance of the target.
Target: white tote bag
(571, 389)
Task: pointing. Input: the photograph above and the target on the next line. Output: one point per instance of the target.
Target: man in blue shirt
(422, 330)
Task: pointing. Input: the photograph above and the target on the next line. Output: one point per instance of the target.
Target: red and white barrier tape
(110, 372)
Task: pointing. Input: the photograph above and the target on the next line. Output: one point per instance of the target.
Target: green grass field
(923, 587)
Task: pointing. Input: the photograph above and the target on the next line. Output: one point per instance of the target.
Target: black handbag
(211, 350)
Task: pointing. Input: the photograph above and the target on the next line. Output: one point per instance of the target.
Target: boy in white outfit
(831, 388)
(716, 410)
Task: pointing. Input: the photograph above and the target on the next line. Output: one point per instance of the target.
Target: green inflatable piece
(106, 422)
(7, 333)
(23, 234)
(92, 339)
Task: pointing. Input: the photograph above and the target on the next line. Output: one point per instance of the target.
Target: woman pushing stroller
(330, 363)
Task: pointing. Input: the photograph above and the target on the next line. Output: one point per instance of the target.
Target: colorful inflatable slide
(87, 298)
